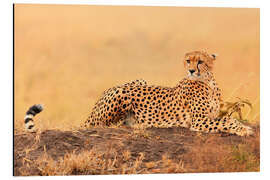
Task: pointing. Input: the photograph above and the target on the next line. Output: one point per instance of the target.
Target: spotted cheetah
(193, 103)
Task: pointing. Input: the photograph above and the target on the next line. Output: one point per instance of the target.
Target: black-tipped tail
(35, 109)
(28, 119)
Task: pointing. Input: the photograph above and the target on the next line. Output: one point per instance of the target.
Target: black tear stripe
(27, 120)
(198, 68)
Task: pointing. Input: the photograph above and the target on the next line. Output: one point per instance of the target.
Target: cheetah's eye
(188, 61)
(200, 62)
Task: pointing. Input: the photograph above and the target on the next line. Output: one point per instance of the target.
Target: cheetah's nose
(191, 71)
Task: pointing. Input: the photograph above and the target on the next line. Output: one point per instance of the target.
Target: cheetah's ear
(214, 56)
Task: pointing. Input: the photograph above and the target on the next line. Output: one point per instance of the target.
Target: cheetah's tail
(28, 119)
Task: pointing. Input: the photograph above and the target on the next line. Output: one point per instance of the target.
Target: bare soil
(176, 143)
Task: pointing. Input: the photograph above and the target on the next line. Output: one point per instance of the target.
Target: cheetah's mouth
(194, 75)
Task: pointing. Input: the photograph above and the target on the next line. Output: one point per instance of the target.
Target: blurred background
(67, 55)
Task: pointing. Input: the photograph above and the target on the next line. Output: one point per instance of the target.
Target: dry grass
(110, 162)
(223, 158)
(235, 108)
(205, 156)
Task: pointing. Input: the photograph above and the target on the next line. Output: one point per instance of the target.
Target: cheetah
(193, 103)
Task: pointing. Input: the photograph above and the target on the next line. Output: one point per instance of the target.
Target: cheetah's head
(198, 63)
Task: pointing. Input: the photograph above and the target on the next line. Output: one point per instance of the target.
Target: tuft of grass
(110, 162)
(126, 155)
(229, 107)
(243, 160)
(208, 157)
(140, 132)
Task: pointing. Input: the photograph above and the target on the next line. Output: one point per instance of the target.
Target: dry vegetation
(66, 56)
(119, 151)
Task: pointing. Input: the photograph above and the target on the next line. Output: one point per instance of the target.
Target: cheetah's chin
(192, 77)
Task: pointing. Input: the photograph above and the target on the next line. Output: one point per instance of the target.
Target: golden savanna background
(67, 55)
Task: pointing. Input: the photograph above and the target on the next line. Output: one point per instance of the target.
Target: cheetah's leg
(226, 124)
(109, 109)
(113, 106)
(232, 125)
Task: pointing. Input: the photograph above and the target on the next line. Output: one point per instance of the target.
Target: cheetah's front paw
(245, 131)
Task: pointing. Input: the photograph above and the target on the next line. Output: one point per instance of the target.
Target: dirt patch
(197, 152)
